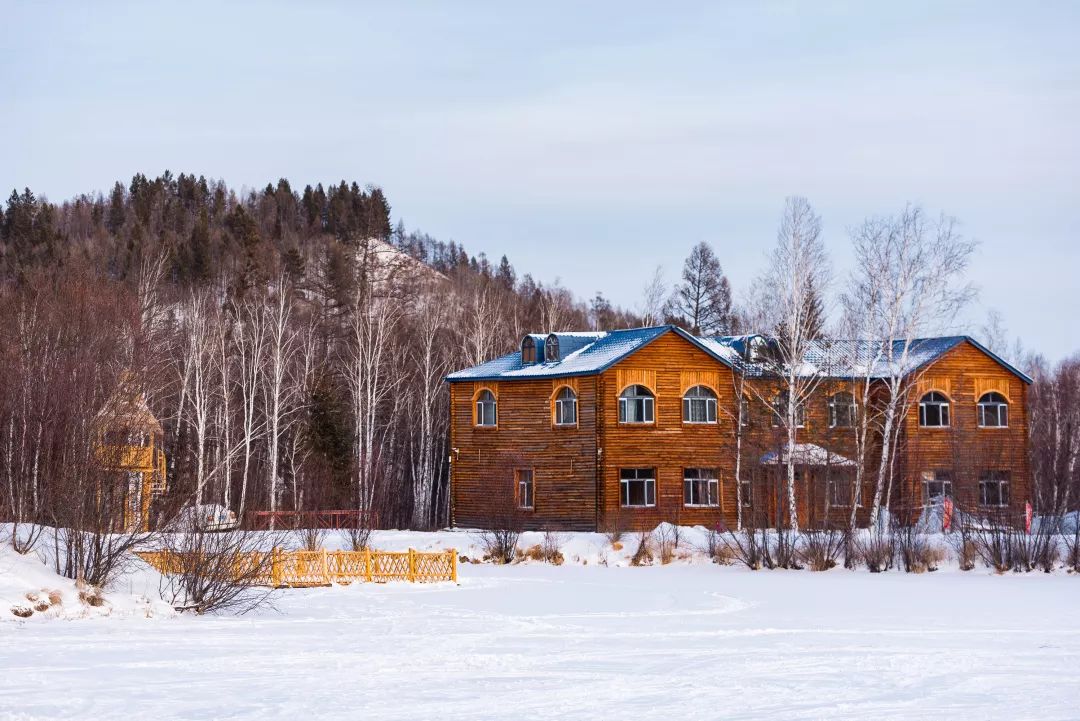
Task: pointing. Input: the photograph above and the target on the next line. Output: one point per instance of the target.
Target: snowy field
(534, 641)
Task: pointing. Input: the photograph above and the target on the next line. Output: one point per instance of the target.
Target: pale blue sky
(587, 143)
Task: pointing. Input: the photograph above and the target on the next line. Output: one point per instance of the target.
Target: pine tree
(505, 275)
(703, 300)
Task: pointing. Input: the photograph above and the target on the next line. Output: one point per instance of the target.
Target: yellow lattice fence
(302, 569)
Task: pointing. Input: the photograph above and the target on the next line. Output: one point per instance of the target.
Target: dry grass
(643, 555)
(22, 611)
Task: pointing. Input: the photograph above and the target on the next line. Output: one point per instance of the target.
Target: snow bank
(30, 590)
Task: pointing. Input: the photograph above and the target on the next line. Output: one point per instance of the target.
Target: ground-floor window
(701, 487)
(936, 486)
(637, 486)
(747, 492)
(841, 490)
(994, 489)
(523, 478)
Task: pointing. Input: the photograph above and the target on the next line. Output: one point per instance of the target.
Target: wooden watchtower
(130, 448)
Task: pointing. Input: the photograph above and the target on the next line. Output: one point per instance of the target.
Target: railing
(304, 569)
(264, 520)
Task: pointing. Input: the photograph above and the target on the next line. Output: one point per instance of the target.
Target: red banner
(1027, 517)
(946, 514)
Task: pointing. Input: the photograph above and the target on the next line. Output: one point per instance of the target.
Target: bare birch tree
(799, 267)
(906, 283)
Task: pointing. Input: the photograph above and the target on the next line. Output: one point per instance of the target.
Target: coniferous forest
(291, 342)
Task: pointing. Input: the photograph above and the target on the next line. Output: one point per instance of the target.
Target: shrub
(667, 540)
(614, 528)
(549, 548)
(877, 549)
(499, 544)
(22, 611)
(642, 556)
(311, 539)
(917, 554)
(819, 549)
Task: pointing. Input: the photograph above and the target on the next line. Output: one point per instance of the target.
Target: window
(747, 492)
(551, 348)
(780, 410)
(701, 487)
(994, 489)
(841, 488)
(638, 486)
(486, 412)
(934, 410)
(936, 487)
(993, 411)
(523, 478)
(528, 350)
(699, 405)
(841, 410)
(636, 405)
(566, 407)
(744, 412)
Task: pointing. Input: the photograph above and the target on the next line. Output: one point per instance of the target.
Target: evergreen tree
(702, 302)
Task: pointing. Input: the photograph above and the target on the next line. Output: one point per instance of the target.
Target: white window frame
(526, 489)
(646, 476)
(648, 405)
(481, 404)
(941, 476)
(835, 406)
(779, 418)
(708, 400)
(1001, 479)
(946, 405)
(998, 408)
(693, 478)
(561, 405)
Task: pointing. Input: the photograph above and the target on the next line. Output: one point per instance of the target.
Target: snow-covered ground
(535, 641)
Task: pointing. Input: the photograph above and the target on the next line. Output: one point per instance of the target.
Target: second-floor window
(486, 409)
(993, 411)
(841, 410)
(636, 405)
(780, 411)
(699, 405)
(934, 410)
(566, 407)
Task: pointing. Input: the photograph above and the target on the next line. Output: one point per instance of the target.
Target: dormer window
(551, 348)
(528, 350)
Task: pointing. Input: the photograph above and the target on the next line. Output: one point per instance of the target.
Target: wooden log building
(586, 431)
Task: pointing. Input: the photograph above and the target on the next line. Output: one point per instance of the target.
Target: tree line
(293, 342)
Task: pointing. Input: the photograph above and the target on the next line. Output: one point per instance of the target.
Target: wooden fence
(265, 520)
(304, 569)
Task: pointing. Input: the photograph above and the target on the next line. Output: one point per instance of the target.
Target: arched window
(551, 348)
(993, 411)
(486, 409)
(841, 410)
(566, 407)
(528, 350)
(699, 405)
(780, 410)
(934, 410)
(636, 405)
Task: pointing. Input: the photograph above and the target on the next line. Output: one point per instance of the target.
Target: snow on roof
(584, 353)
(807, 454)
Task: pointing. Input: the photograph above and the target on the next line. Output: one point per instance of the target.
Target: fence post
(412, 565)
(326, 568)
(367, 565)
(453, 564)
(275, 567)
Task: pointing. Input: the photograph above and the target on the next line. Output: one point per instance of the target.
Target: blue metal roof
(592, 352)
(582, 354)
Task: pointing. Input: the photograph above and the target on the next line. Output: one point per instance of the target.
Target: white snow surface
(579, 641)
